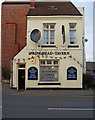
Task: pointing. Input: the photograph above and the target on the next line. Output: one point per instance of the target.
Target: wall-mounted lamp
(32, 59)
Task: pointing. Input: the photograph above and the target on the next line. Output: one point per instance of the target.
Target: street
(38, 107)
(47, 103)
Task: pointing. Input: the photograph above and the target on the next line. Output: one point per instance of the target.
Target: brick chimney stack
(32, 4)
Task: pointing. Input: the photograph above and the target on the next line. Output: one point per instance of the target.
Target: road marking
(0, 106)
(43, 95)
(73, 109)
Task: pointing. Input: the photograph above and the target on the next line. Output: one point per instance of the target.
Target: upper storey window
(49, 33)
(72, 28)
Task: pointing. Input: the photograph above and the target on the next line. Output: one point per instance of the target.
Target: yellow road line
(38, 95)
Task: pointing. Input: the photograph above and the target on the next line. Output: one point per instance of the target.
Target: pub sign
(32, 73)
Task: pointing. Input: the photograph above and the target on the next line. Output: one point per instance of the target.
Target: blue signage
(71, 73)
(32, 73)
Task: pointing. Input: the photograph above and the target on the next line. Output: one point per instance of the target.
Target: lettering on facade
(49, 53)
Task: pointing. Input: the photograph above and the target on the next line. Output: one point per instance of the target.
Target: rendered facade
(53, 56)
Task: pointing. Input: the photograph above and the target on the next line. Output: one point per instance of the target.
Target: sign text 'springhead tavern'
(54, 55)
(49, 53)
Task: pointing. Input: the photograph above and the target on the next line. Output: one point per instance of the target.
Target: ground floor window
(49, 70)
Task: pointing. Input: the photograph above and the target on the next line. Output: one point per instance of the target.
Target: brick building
(19, 21)
(13, 35)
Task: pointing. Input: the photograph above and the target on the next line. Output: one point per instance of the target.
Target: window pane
(51, 26)
(45, 37)
(72, 37)
(55, 62)
(48, 74)
(49, 62)
(52, 37)
(52, 7)
(21, 65)
(72, 26)
(42, 62)
(46, 26)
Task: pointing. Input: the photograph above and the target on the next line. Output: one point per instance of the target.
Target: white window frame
(50, 65)
(49, 29)
(73, 29)
(52, 62)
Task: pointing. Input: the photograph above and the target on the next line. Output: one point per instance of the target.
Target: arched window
(32, 73)
(71, 73)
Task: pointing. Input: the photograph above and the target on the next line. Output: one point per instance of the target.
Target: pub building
(54, 55)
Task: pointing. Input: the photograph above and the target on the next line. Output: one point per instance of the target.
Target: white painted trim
(57, 16)
(39, 0)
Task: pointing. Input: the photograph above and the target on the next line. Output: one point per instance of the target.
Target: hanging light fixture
(32, 59)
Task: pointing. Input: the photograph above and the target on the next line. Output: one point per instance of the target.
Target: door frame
(18, 77)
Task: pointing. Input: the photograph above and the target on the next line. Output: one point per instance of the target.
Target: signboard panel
(48, 73)
(71, 73)
(32, 73)
(49, 53)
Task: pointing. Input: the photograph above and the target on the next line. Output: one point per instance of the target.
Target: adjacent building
(90, 68)
(54, 53)
(13, 32)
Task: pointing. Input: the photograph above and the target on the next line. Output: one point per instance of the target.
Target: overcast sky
(88, 4)
(88, 27)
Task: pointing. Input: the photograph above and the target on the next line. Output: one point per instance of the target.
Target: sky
(88, 5)
(88, 27)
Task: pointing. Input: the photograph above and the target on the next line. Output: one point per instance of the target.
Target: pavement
(6, 90)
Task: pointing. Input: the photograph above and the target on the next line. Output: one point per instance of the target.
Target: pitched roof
(53, 8)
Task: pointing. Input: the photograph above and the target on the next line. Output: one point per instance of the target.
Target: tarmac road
(47, 103)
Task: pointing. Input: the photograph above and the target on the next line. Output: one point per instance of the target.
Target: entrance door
(21, 79)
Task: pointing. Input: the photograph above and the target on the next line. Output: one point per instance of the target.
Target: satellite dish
(35, 35)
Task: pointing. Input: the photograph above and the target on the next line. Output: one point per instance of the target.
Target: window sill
(73, 46)
(47, 45)
(49, 83)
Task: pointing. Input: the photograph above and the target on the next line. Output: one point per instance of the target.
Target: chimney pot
(32, 3)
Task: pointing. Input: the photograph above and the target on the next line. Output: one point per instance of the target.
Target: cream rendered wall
(36, 22)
